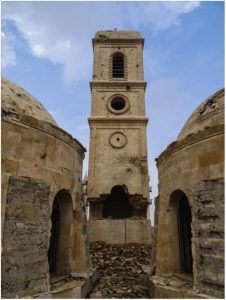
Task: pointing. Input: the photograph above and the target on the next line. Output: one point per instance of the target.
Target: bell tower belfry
(118, 180)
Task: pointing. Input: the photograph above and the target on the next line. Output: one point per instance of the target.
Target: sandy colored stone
(33, 147)
(193, 166)
(109, 164)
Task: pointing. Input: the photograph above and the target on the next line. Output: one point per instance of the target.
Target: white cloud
(62, 31)
(158, 15)
(39, 50)
(8, 54)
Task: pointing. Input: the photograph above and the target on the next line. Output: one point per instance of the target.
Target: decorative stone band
(189, 140)
(115, 84)
(120, 41)
(136, 120)
(48, 128)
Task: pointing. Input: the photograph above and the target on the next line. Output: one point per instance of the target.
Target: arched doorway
(180, 223)
(185, 235)
(54, 237)
(61, 234)
(116, 205)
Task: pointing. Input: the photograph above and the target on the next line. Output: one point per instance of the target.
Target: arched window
(118, 65)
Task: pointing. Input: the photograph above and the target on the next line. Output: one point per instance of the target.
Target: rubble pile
(122, 270)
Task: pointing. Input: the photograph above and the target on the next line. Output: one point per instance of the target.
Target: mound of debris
(122, 270)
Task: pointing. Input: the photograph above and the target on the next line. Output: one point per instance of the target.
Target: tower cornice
(123, 120)
(118, 84)
(117, 41)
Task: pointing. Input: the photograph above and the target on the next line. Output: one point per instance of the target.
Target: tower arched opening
(118, 65)
(116, 205)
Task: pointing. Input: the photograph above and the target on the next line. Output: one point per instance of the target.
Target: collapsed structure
(43, 225)
(189, 225)
(118, 181)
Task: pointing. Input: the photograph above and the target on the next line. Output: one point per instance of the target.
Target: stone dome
(208, 114)
(17, 100)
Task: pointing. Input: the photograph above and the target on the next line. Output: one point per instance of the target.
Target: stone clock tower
(118, 181)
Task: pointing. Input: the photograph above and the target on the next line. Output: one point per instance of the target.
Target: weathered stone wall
(193, 166)
(25, 237)
(41, 150)
(126, 165)
(118, 160)
(201, 158)
(130, 45)
(120, 231)
(102, 93)
(208, 228)
(118, 141)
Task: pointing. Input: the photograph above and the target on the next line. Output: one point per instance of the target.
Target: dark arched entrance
(60, 238)
(54, 238)
(185, 235)
(116, 205)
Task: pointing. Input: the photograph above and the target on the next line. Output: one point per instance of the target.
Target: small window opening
(118, 66)
(118, 103)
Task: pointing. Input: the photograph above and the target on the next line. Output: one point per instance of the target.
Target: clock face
(117, 139)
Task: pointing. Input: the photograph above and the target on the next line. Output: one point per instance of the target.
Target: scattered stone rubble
(122, 270)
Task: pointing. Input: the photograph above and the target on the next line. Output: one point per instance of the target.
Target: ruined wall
(25, 237)
(208, 228)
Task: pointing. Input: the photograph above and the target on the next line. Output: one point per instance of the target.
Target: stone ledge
(48, 128)
(136, 120)
(189, 140)
(117, 84)
(77, 289)
(173, 287)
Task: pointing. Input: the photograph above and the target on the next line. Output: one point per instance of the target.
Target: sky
(47, 49)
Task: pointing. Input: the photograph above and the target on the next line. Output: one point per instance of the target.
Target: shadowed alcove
(180, 223)
(60, 239)
(116, 205)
